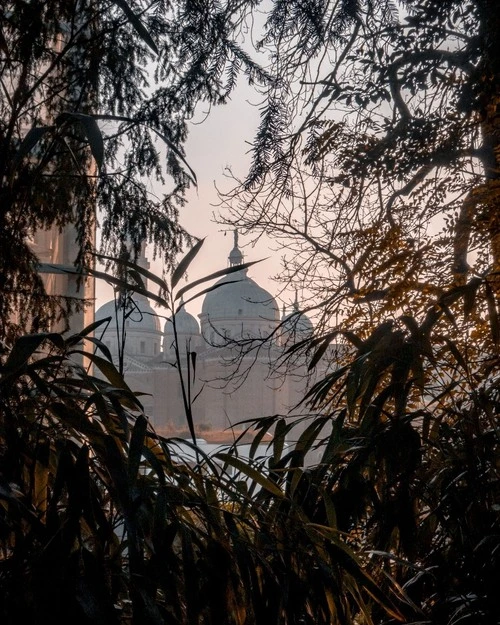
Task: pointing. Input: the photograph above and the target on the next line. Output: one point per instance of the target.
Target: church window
(142, 347)
(155, 349)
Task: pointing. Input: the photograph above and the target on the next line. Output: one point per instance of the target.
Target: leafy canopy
(92, 95)
(375, 167)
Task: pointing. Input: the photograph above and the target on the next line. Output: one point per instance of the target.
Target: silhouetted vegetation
(376, 164)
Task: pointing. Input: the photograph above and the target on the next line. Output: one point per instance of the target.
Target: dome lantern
(235, 255)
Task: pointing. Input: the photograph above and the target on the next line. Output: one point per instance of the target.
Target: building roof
(237, 296)
(185, 323)
(140, 315)
(296, 322)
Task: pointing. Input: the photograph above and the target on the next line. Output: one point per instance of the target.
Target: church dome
(142, 316)
(296, 323)
(185, 323)
(237, 306)
(241, 298)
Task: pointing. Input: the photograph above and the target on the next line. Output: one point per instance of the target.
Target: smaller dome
(141, 315)
(296, 322)
(185, 323)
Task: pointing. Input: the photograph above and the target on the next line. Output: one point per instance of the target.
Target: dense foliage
(375, 173)
(376, 165)
(376, 162)
(95, 102)
(102, 521)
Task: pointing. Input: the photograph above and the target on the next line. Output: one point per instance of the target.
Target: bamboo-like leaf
(143, 272)
(166, 140)
(253, 474)
(182, 267)
(457, 354)
(78, 420)
(319, 353)
(77, 338)
(331, 513)
(411, 324)
(25, 347)
(40, 486)
(191, 578)
(127, 286)
(3, 45)
(280, 432)
(114, 462)
(214, 287)
(137, 24)
(101, 346)
(320, 390)
(470, 296)
(136, 277)
(353, 565)
(217, 274)
(28, 143)
(92, 132)
(192, 356)
(264, 426)
(115, 378)
(136, 447)
(493, 314)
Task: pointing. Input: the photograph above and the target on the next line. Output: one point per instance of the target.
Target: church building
(232, 358)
